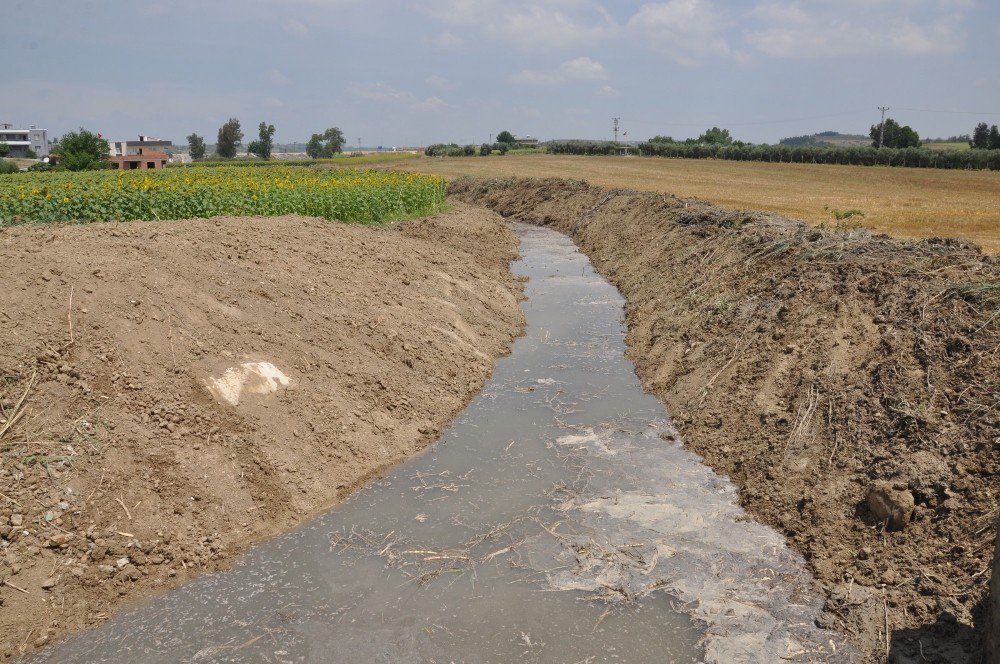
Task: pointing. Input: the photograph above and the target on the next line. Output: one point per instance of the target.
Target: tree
(334, 140)
(662, 139)
(505, 137)
(327, 144)
(894, 136)
(83, 151)
(980, 137)
(230, 137)
(4, 149)
(265, 143)
(196, 146)
(716, 136)
(994, 143)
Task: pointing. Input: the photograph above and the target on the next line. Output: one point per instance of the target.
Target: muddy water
(558, 520)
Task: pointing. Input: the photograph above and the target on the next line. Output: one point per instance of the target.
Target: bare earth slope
(813, 368)
(121, 474)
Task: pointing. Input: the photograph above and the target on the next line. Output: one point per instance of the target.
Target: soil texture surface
(846, 382)
(171, 392)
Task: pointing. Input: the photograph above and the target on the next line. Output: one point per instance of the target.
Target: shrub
(7, 167)
(485, 149)
(83, 151)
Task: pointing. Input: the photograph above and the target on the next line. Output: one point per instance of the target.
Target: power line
(931, 110)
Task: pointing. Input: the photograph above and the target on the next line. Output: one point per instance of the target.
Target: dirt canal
(558, 519)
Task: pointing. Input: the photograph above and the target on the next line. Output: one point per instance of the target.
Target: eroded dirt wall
(121, 474)
(847, 383)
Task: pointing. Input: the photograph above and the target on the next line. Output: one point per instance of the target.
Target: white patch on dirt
(248, 378)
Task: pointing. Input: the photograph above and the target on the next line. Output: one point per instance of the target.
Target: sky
(397, 73)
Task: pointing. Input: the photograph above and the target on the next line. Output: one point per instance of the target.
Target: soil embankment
(332, 351)
(846, 382)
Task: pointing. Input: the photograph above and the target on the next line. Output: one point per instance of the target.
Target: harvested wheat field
(846, 383)
(905, 202)
(175, 391)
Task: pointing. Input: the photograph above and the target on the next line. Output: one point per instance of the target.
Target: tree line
(504, 143)
(985, 138)
(798, 154)
(230, 138)
(892, 145)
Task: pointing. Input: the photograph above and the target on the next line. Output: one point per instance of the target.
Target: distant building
(145, 154)
(526, 141)
(23, 140)
(143, 145)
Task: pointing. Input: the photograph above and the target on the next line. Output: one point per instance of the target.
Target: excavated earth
(846, 382)
(333, 350)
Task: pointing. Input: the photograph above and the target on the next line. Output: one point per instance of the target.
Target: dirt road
(172, 392)
(847, 383)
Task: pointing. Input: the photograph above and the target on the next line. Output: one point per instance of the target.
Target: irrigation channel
(558, 519)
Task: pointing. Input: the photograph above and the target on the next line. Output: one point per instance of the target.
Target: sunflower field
(365, 196)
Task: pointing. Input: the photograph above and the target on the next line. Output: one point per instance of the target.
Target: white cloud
(293, 27)
(277, 77)
(273, 102)
(441, 83)
(447, 40)
(430, 104)
(607, 91)
(153, 9)
(580, 69)
(687, 30)
(533, 25)
(387, 94)
(823, 28)
(583, 68)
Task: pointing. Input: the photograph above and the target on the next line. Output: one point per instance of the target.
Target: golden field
(906, 202)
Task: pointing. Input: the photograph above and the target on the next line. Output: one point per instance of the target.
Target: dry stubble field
(905, 202)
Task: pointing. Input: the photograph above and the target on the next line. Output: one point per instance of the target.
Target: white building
(23, 140)
(144, 145)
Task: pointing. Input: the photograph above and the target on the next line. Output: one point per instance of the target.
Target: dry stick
(8, 583)
(601, 619)
(69, 314)
(885, 607)
(122, 503)
(170, 335)
(17, 406)
(4, 495)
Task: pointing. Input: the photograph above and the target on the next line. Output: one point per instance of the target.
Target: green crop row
(366, 196)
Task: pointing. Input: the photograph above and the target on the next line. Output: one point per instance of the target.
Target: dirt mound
(846, 382)
(172, 392)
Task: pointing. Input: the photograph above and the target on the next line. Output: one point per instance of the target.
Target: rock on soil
(811, 366)
(341, 349)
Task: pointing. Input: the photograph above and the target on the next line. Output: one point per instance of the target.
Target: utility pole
(616, 120)
(881, 126)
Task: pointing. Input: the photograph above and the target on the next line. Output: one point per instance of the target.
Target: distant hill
(831, 138)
